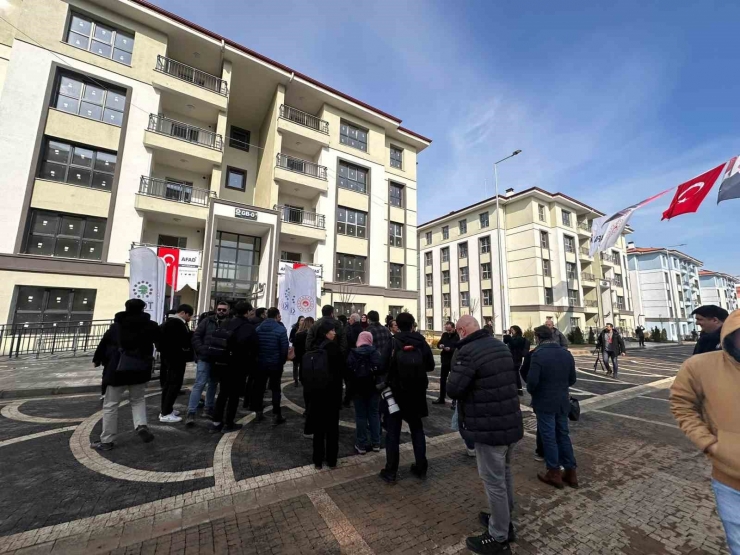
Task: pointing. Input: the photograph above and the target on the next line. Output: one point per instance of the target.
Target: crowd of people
(383, 370)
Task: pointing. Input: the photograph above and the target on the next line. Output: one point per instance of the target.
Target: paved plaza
(645, 489)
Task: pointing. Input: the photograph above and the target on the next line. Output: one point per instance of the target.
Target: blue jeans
(728, 507)
(367, 414)
(202, 377)
(553, 429)
(606, 355)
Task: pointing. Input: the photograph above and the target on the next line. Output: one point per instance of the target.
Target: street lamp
(498, 241)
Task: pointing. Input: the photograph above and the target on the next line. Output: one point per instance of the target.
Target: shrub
(529, 334)
(663, 335)
(578, 336)
(655, 334)
(591, 336)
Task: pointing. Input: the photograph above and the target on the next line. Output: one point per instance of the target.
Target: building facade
(544, 270)
(122, 124)
(719, 289)
(666, 289)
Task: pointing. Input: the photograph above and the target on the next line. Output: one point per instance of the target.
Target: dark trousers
(171, 388)
(393, 440)
(558, 448)
(163, 364)
(296, 369)
(231, 384)
(540, 449)
(248, 389)
(443, 381)
(264, 373)
(641, 340)
(324, 419)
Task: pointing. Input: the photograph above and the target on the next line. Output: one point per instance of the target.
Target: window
(445, 232)
(65, 235)
(463, 226)
(483, 219)
(445, 300)
(445, 277)
(620, 302)
(546, 268)
(464, 274)
(395, 235)
(77, 95)
(347, 309)
(462, 250)
(41, 304)
(485, 270)
(351, 268)
(569, 243)
(541, 212)
(548, 295)
(428, 237)
(575, 323)
(487, 297)
(429, 280)
(395, 280)
(236, 179)
(77, 165)
(353, 136)
(445, 253)
(617, 261)
(100, 39)
(485, 245)
(396, 195)
(570, 270)
(239, 138)
(293, 214)
(430, 301)
(288, 256)
(618, 280)
(430, 323)
(352, 177)
(236, 267)
(396, 157)
(352, 222)
(181, 191)
(427, 258)
(172, 241)
(566, 217)
(464, 299)
(573, 297)
(544, 240)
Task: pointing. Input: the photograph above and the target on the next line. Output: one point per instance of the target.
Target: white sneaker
(176, 412)
(170, 418)
(471, 452)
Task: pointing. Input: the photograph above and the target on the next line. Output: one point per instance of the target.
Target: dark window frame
(70, 165)
(429, 280)
(180, 243)
(428, 259)
(487, 222)
(238, 143)
(395, 234)
(464, 274)
(395, 276)
(487, 297)
(549, 293)
(396, 200)
(347, 129)
(57, 234)
(445, 232)
(572, 240)
(428, 237)
(233, 169)
(397, 160)
(484, 245)
(573, 297)
(84, 83)
(446, 300)
(445, 277)
(115, 45)
(486, 273)
(361, 186)
(462, 226)
(444, 254)
(464, 299)
(344, 225)
(87, 315)
(430, 302)
(544, 240)
(546, 267)
(346, 274)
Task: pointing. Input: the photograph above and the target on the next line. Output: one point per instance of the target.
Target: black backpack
(409, 365)
(315, 369)
(218, 347)
(364, 369)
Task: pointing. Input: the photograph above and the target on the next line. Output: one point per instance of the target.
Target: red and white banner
(171, 257)
(690, 195)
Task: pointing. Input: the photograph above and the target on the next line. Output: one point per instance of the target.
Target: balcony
(183, 79)
(179, 142)
(303, 226)
(304, 119)
(310, 178)
(590, 306)
(171, 197)
(585, 276)
(302, 131)
(584, 253)
(185, 132)
(584, 227)
(608, 258)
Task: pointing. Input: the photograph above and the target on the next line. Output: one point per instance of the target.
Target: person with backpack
(210, 351)
(242, 344)
(322, 368)
(446, 345)
(273, 352)
(126, 352)
(175, 350)
(363, 367)
(409, 359)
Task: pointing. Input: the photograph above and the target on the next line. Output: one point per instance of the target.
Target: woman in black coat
(519, 347)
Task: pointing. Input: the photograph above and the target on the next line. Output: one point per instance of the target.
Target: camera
(387, 395)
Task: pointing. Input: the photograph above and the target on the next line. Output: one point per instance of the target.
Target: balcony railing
(608, 258)
(593, 304)
(569, 248)
(584, 226)
(174, 190)
(303, 118)
(587, 277)
(301, 166)
(584, 251)
(191, 75)
(302, 217)
(618, 281)
(184, 132)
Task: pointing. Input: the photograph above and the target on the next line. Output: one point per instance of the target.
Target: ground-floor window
(348, 309)
(395, 310)
(46, 304)
(430, 323)
(236, 260)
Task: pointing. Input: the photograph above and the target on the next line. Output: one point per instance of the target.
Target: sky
(610, 102)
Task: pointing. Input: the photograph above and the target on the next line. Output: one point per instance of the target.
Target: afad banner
(297, 294)
(147, 281)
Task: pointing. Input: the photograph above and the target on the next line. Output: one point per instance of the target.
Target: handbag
(129, 362)
(575, 409)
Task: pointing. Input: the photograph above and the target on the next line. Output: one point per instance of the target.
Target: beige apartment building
(122, 124)
(544, 270)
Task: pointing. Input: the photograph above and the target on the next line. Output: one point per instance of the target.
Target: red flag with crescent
(171, 259)
(690, 195)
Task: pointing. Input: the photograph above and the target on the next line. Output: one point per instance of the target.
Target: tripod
(599, 361)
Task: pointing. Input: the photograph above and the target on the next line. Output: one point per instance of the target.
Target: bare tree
(558, 313)
(345, 292)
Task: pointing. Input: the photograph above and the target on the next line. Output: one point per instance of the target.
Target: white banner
(187, 270)
(297, 294)
(147, 280)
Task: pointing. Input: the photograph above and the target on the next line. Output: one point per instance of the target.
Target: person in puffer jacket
(483, 381)
(363, 367)
(273, 352)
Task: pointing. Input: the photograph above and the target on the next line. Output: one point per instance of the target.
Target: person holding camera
(408, 360)
(611, 345)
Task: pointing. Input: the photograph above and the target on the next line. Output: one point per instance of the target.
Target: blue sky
(610, 102)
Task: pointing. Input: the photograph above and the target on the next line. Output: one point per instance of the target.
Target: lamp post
(498, 242)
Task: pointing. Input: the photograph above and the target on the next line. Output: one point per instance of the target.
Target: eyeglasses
(222, 310)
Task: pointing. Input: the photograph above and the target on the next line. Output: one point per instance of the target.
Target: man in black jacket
(126, 353)
(710, 319)
(314, 338)
(353, 330)
(446, 344)
(410, 359)
(483, 381)
(611, 345)
(176, 350)
(201, 345)
(552, 371)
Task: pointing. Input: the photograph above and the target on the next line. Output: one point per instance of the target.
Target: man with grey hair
(354, 328)
(557, 335)
(483, 381)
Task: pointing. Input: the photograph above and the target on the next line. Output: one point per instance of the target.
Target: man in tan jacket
(704, 402)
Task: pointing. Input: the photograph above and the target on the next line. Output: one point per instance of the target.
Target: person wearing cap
(363, 366)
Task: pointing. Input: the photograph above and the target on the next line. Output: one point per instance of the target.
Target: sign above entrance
(245, 214)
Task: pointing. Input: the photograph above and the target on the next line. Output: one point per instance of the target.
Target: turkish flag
(171, 259)
(690, 195)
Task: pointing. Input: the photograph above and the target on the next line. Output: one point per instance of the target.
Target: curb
(68, 390)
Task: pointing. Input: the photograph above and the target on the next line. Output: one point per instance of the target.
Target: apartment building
(543, 271)
(122, 124)
(719, 289)
(665, 290)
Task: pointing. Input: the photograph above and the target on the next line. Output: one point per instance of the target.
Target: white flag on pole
(297, 294)
(147, 280)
